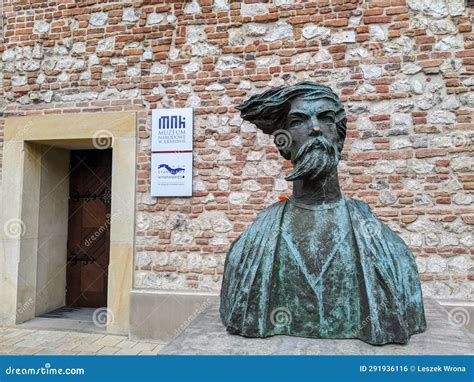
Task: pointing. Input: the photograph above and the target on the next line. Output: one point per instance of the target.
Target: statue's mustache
(315, 157)
(317, 143)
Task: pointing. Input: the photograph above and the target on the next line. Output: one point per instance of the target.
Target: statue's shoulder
(270, 212)
(358, 205)
(369, 222)
(266, 218)
(262, 226)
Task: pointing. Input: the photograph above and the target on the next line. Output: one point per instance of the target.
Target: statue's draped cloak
(333, 271)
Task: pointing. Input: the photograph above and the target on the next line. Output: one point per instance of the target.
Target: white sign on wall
(172, 157)
(172, 130)
(172, 174)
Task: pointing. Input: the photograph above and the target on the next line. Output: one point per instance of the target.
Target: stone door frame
(20, 200)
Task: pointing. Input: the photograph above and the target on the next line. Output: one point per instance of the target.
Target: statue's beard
(315, 158)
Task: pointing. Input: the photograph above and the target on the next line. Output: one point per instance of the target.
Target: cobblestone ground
(38, 342)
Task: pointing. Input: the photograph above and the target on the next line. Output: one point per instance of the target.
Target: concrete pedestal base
(162, 315)
(207, 335)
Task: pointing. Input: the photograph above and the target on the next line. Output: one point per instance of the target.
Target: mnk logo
(172, 122)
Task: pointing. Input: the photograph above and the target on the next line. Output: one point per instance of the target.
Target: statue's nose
(315, 131)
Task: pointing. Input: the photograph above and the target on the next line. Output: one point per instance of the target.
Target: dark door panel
(89, 228)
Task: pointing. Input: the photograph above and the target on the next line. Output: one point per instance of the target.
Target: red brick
(336, 23)
(377, 20)
(396, 10)
(430, 63)
(373, 12)
(428, 153)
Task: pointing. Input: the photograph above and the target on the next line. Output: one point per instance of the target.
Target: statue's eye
(295, 123)
(327, 117)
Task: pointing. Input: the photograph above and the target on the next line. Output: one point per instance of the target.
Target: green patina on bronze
(317, 264)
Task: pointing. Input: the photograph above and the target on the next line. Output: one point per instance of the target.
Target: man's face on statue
(312, 127)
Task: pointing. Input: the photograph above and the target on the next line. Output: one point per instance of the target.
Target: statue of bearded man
(317, 264)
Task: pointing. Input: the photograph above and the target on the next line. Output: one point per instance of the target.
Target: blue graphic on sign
(171, 122)
(171, 170)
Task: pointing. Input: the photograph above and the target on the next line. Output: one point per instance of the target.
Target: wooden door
(89, 228)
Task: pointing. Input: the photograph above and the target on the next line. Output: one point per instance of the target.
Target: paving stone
(16, 334)
(145, 346)
(90, 348)
(126, 344)
(108, 350)
(89, 338)
(148, 352)
(26, 341)
(110, 340)
(67, 352)
(70, 345)
(21, 350)
(47, 351)
(127, 352)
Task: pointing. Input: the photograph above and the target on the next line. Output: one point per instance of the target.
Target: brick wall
(402, 68)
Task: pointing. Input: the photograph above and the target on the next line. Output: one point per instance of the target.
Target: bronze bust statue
(317, 264)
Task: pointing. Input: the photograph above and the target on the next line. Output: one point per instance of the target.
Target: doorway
(34, 198)
(88, 242)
